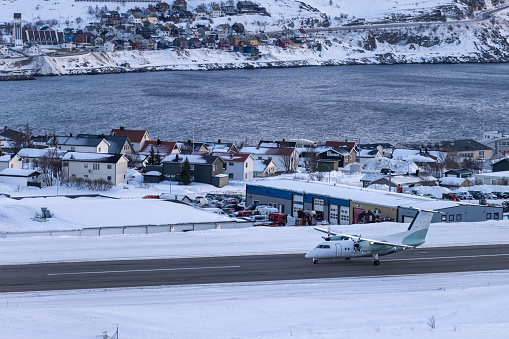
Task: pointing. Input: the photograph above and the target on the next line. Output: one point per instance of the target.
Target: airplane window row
(323, 246)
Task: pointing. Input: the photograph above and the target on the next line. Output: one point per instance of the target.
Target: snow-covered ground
(466, 305)
(463, 305)
(282, 11)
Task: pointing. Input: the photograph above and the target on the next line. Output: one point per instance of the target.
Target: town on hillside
(157, 27)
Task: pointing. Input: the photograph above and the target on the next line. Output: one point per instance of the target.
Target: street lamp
(329, 170)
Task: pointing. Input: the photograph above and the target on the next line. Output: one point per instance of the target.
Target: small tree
(151, 159)
(185, 177)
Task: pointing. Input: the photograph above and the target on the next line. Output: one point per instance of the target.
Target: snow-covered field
(69, 10)
(465, 305)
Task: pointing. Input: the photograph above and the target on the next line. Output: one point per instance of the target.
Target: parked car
(277, 219)
(429, 195)
(450, 196)
(490, 196)
(499, 195)
(464, 196)
(477, 194)
(505, 206)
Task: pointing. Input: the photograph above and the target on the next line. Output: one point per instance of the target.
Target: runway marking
(453, 257)
(149, 270)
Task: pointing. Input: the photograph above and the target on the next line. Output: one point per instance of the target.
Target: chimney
(70, 134)
(122, 128)
(218, 141)
(6, 128)
(158, 143)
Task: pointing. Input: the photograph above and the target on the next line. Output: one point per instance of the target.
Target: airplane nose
(310, 254)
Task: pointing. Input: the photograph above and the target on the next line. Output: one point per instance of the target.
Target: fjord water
(370, 103)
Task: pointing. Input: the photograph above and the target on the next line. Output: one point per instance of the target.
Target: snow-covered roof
(362, 195)
(452, 181)
(232, 157)
(91, 157)
(153, 174)
(5, 158)
(193, 158)
(415, 155)
(13, 172)
(372, 177)
(501, 174)
(267, 150)
(39, 153)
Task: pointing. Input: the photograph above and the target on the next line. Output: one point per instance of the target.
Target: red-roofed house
(238, 166)
(137, 137)
(163, 147)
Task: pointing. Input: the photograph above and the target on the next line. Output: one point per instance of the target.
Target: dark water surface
(370, 103)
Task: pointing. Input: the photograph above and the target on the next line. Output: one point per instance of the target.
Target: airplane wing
(373, 242)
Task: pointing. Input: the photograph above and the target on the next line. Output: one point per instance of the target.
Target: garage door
(344, 215)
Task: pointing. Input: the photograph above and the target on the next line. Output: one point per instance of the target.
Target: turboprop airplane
(337, 245)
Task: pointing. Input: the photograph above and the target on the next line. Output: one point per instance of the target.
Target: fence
(140, 229)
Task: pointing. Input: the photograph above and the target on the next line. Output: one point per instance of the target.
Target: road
(157, 272)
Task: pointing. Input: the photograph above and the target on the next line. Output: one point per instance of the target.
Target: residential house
(467, 149)
(110, 167)
(458, 173)
(247, 7)
(22, 177)
(494, 178)
(370, 177)
(83, 144)
(134, 18)
(264, 168)
(366, 154)
(238, 28)
(252, 40)
(118, 144)
(225, 29)
(205, 168)
(498, 144)
(238, 166)
(137, 137)
(162, 147)
(331, 159)
(10, 161)
(181, 43)
(221, 147)
(229, 10)
(162, 7)
(501, 165)
(201, 14)
(384, 148)
(31, 157)
(286, 158)
(283, 42)
(216, 11)
(295, 42)
(179, 5)
(9, 138)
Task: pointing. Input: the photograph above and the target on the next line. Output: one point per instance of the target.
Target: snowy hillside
(282, 12)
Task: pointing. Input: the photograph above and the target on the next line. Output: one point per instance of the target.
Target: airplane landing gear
(315, 261)
(376, 262)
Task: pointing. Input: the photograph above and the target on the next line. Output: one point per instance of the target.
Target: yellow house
(252, 40)
(294, 43)
(150, 19)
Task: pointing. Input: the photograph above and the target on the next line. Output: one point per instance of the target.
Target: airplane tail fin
(418, 229)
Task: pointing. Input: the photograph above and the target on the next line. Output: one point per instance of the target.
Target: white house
(238, 166)
(30, 156)
(286, 158)
(494, 178)
(21, 177)
(109, 46)
(216, 12)
(83, 144)
(93, 166)
(137, 137)
(264, 168)
(9, 161)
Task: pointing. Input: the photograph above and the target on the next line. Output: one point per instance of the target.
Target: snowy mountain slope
(452, 43)
(283, 12)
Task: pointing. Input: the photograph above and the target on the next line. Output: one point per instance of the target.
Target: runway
(207, 270)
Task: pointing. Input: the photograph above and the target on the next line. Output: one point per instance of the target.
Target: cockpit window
(323, 246)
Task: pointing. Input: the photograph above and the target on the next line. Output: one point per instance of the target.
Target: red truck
(277, 219)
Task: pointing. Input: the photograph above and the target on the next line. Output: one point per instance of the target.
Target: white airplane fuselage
(346, 249)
